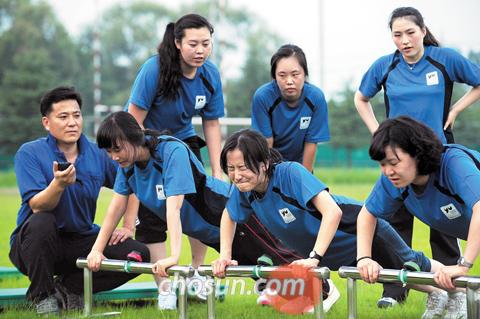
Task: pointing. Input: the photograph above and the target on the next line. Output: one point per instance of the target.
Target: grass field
(355, 183)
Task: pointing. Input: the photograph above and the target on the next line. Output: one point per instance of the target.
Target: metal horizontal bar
(412, 277)
(260, 271)
(136, 267)
(242, 121)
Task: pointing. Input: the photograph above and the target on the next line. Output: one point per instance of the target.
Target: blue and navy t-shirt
(175, 170)
(446, 203)
(76, 208)
(201, 96)
(290, 127)
(423, 90)
(286, 210)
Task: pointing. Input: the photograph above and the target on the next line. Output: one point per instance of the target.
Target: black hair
(416, 17)
(286, 51)
(413, 137)
(56, 95)
(255, 150)
(120, 127)
(169, 56)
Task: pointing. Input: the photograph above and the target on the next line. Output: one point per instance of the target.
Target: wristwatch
(463, 262)
(313, 254)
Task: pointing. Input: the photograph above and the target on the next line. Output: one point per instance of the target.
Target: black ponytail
(169, 61)
(152, 142)
(429, 39)
(169, 56)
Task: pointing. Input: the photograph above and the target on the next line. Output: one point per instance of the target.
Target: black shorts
(151, 229)
(195, 143)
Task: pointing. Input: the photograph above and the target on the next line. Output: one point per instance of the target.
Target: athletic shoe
(196, 286)
(436, 302)
(265, 297)
(386, 302)
(68, 300)
(456, 306)
(48, 305)
(330, 297)
(167, 301)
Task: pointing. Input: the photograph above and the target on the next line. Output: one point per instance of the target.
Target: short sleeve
(463, 177)
(177, 172)
(121, 183)
(216, 107)
(30, 177)
(318, 130)
(461, 69)
(371, 82)
(144, 89)
(110, 169)
(298, 183)
(384, 200)
(260, 118)
(238, 206)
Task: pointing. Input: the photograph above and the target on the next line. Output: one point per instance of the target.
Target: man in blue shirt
(55, 221)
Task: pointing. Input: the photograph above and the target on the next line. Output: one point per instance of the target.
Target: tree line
(37, 53)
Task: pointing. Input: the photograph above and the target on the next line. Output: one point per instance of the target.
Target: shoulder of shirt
(455, 152)
(209, 69)
(442, 52)
(385, 61)
(169, 146)
(152, 61)
(267, 90)
(32, 146)
(312, 90)
(286, 167)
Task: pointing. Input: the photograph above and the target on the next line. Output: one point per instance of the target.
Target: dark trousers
(444, 248)
(40, 252)
(252, 240)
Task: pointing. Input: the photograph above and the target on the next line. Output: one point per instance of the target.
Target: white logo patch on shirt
(160, 192)
(450, 211)
(305, 122)
(286, 215)
(432, 78)
(200, 101)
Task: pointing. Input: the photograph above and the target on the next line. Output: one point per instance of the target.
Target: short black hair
(413, 137)
(56, 95)
(254, 148)
(286, 51)
(121, 127)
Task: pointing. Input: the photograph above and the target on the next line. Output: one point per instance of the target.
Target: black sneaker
(47, 306)
(386, 302)
(68, 300)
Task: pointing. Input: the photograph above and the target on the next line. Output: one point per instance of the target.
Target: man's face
(64, 121)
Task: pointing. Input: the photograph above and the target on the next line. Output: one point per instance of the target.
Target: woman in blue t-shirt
(298, 209)
(181, 82)
(417, 80)
(171, 87)
(439, 184)
(289, 111)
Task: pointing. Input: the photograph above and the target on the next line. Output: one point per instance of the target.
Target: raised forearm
(227, 231)
(213, 138)
(365, 110)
